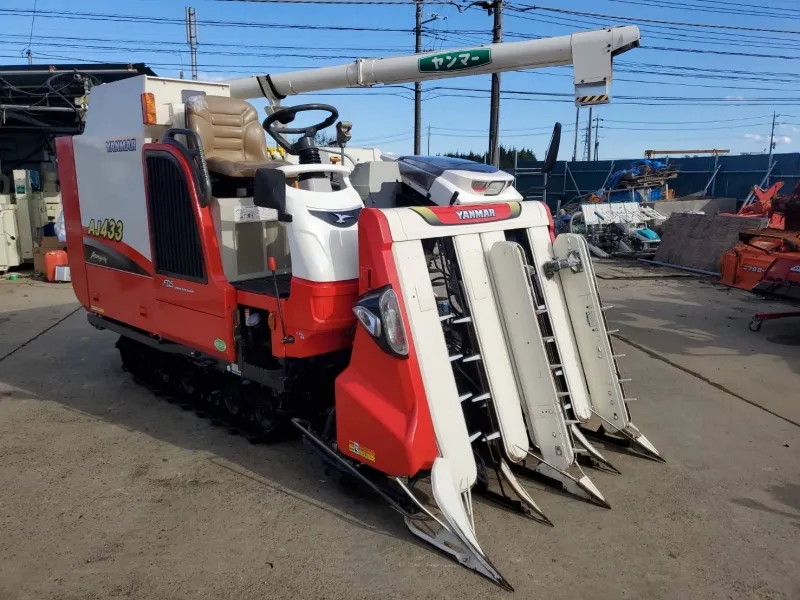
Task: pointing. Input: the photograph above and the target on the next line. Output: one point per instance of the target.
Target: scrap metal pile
(613, 219)
(645, 180)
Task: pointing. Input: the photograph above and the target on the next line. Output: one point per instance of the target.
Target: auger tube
(591, 52)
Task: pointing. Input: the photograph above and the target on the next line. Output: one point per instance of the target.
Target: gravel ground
(109, 492)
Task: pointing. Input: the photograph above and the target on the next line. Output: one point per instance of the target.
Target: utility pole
(429, 139)
(418, 85)
(418, 89)
(30, 56)
(589, 136)
(191, 37)
(772, 139)
(575, 149)
(596, 136)
(494, 117)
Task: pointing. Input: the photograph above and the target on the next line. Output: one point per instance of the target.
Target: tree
(506, 156)
(323, 139)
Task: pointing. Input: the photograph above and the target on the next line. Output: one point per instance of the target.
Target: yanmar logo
(476, 213)
(121, 145)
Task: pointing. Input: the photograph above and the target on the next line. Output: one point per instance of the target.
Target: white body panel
(248, 236)
(534, 217)
(321, 251)
(111, 184)
(111, 176)
(503, 319)
(588, 323)
(449, 182)
(471, 252)
(425, 329)
(543, 410)
(556, 306)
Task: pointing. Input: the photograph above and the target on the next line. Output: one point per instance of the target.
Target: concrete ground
(109, 492)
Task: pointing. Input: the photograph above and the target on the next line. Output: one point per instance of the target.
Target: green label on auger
(455, 61)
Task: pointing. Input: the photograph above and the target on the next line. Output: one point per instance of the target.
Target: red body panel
(198, 315)
(382, 416)
(552, 227)
(319, 316)
(72, 218)
(122, 296)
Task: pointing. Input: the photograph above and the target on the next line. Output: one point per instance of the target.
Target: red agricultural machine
(414, 319)
(767, 261)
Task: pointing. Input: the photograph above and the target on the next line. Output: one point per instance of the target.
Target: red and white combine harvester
(412, 343)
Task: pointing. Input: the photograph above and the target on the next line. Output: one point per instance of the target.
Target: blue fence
(736, 176)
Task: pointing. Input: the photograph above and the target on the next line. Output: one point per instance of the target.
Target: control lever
(273, 267)
(343, 135)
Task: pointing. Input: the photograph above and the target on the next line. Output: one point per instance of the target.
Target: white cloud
(757, 137)
(791, 128)
(213, 77)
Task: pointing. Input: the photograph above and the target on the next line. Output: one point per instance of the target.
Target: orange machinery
(767, 261)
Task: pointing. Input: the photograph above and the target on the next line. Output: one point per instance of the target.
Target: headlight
(393, 320)
(379, 314)
(495, 188)
(479, 187)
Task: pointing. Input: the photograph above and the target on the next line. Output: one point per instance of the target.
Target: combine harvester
(457, 344)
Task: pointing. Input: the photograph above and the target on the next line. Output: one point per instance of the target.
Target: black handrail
(195, 156)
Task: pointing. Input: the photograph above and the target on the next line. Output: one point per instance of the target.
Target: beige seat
(233, 140)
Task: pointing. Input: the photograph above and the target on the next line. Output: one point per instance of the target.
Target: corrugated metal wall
(736, 177)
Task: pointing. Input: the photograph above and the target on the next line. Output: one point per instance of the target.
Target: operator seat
(235, 147)
(233, 140)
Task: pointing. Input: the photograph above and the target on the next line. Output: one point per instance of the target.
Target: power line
(107, 17)
(690, 50)
(704, 38)
(147, 50)
(730, 38)
(670, 83)
(720, 52)
(353, 2)
(205, 44)
(526, 8)
(33, 20)
(755, 6)
(687, 122)
(727, 10)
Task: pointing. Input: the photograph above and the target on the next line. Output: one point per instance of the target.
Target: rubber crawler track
(223, 399)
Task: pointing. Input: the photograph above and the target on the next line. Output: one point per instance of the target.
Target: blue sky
(677, 91)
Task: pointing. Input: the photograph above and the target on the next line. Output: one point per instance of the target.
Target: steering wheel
(284, 116)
